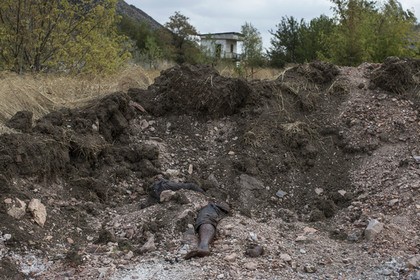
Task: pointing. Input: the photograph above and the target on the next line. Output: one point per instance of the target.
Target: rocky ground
(321, 168)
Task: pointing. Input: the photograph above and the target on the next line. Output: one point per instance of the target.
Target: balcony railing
(232, 55)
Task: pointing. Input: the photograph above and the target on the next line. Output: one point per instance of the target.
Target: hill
(136, 14)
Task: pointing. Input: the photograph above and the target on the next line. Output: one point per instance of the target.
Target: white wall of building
(228, 48)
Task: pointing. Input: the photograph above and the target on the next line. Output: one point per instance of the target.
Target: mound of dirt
(86, 146)
(318, 72)
(197, 90)
(32, 155)
(22, 121)
(398, 75)
(306, 163)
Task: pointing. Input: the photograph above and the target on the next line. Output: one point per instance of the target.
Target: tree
(164, 39)
(183, 36)
(394, 32)
(138, 32)
(285, 42)
(77, 35)
(149, 45)
(350, 38)
(370, 32)
(252, 46)
(314, 39)
(298, 42)
(152, 51)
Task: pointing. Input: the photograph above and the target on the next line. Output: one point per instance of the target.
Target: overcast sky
(213, 16)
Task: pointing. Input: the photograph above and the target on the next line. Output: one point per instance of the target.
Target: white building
(222, 45)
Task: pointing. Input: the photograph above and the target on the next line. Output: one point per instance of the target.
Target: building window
(231, 48)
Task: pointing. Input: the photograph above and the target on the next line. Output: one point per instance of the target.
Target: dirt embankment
(320, 147)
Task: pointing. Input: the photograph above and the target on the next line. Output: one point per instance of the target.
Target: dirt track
(305, 162)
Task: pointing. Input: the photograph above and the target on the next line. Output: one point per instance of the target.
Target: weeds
(295, 131)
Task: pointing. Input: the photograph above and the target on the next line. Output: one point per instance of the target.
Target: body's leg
(205, 225)
(206, 234)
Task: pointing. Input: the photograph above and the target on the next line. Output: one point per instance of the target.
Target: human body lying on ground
(207, 218)
(206, 225)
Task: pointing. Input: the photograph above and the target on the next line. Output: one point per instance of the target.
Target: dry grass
(259, 73)
(267, 73)
(298, 130)
(296, 127)
(43, 93)
(4, 129)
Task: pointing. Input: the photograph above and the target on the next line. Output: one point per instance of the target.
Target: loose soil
(305, 162)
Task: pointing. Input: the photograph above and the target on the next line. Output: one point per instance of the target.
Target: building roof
(223, 35)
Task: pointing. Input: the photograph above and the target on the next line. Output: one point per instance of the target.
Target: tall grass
(42, 93)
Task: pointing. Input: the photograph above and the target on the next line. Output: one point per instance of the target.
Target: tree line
(359, 31)
(89, 36)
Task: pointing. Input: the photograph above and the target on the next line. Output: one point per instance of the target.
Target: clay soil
(305, 162)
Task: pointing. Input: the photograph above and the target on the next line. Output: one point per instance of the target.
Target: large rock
(374, 227)
(167, 195)
(15, 207)
(38, 210)
(248, 188)
(149, 246)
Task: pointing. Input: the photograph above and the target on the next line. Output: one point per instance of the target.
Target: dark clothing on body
(211, 214)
